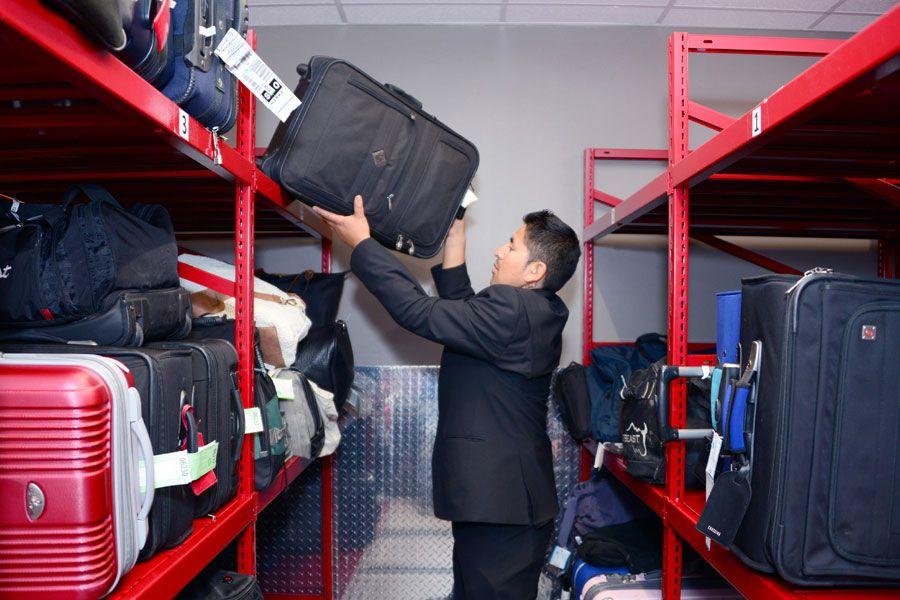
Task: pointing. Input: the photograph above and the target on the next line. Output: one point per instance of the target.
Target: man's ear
(534, 272)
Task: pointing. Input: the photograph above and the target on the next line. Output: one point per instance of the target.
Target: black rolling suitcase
(128, 318)
(270, 446)
(825, 503)
(219, 413)
(163, 377)
(353, 135)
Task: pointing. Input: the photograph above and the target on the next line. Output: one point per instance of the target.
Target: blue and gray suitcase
(200, 83)
(148, 40)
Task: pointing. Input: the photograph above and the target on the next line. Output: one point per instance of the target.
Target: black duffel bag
(59, 263)
(569, 391)
(325, 356)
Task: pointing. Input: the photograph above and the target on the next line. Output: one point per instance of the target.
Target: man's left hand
(353, 228)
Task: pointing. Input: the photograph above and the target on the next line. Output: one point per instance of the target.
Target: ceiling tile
(660, 3)
(421, 13)
(875, 7)
(274, 14)
(739, 19)
(838, 22)
(556, 13)
(268, 3)
(345, 2)
(819, 5)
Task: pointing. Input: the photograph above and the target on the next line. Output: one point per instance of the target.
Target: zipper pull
(811, 273)
(217, 154)
(399, 244)
(390, 199)
(412, 248)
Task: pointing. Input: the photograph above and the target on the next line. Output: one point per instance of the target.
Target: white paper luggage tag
(253, 422)
(560, 556)
(253, 72)
(711, 463)
(182, 467)
(284, 388)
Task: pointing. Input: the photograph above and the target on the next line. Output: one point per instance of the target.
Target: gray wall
(531, 99)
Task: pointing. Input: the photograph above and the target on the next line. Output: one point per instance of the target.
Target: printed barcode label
(253, 72)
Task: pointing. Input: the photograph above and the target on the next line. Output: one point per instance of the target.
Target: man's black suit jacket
(492, 458)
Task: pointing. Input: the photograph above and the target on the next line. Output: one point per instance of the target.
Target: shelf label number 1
(756, 121)
(184, 125)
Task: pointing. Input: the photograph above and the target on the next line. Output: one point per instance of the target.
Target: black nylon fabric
(827, 430)
(352, 135)
(640, 428)
(320, 291)
(569, 390)
(64, 261)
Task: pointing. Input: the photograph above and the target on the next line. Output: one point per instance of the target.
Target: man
(492, 464)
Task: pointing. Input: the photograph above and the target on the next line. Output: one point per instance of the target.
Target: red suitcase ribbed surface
(55, 432)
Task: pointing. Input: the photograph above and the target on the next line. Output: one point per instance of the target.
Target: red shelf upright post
(245, 199)
(588, 296)
(679, 245)
(327, 485)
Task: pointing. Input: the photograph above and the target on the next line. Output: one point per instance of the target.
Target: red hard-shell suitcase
(73, 515)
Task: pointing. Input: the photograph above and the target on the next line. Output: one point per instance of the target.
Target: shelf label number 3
(184, 125)
(756, 121)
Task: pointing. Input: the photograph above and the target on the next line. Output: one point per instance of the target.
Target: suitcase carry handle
(139, 430)
(94, 193)
(409, 99)
(241, 424)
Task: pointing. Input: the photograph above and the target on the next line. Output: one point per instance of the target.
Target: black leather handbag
(320, 291)
(325, 356)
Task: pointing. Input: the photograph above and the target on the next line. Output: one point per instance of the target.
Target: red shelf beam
(683, 517)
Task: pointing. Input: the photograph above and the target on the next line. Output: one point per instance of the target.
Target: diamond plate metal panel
(388, 543)
(289, 538)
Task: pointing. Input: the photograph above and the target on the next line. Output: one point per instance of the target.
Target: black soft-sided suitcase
(353, 135)
(825, 504)
(100, 18)
(267, 460)
(219, 412)
(163, 379)
(128, 318)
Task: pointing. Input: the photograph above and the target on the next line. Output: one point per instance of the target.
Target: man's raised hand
(353, 228)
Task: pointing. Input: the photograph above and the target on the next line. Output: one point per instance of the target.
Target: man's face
(511, 262)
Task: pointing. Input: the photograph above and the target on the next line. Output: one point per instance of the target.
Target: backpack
(610, 368)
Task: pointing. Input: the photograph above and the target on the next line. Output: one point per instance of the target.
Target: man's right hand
(455, 245)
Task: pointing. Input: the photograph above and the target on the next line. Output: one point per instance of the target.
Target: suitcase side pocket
(867, 425)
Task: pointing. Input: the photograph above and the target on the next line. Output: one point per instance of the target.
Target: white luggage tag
(253, 72)
(182, 467)
(253, 422)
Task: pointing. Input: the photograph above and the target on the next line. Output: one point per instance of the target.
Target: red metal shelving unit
(820, 157)
(70, 111)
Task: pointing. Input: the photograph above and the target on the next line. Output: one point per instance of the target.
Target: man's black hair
(554, 243)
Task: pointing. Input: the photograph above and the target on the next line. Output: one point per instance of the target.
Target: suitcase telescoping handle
(408, 98)
(669, 374)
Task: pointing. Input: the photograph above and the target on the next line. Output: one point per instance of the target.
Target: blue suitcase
(200, 83)
(582, 572)
(148, 40)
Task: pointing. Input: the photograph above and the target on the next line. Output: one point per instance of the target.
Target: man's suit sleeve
(482, 326)
(453, 283)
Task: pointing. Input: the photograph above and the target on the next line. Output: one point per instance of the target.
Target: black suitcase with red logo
(825, 503)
